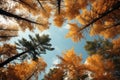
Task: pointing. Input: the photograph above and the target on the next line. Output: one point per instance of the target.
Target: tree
(23, 71)
(22, 15)
(70, 67)
(81, 16)
(102, 69)
(106, 49)
(100, 20)
(35, 47)
(98, 46)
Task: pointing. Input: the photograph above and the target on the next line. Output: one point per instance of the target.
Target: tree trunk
(12, 58)
(3, 12)
(115, 6)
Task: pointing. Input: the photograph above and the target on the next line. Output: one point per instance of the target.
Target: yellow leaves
(58, 20)
(74, 33)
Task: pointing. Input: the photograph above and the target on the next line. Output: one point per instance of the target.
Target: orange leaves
(96, 29)
(58, 20)
(55, 73)
(116, 47)
(8, 50)
(71, 63)
(70, 56)
(100, 67)
(74, 33)
(45, 23)
(24, 70)
(116, 43)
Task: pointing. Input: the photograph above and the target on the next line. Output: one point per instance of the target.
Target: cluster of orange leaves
(72, 68)
(8, 50)
(81, 11)
(22, 71)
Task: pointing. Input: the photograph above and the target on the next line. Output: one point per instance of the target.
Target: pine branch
(3, 12)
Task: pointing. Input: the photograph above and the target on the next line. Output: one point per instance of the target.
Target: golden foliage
(116, 47)
(58, 20)
(8, 50)
(101, 68)
(71, 63)
(44, 22)
(24, 70)
(116, 43)
(56, 73)
(86, 12)
(74, 33)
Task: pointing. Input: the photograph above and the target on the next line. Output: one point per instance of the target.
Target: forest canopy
(22, 59)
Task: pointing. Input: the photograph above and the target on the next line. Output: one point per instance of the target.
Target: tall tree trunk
(115, 6)
(12, 58)
(3, 12)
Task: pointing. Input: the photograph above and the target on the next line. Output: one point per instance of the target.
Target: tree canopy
(22, 61)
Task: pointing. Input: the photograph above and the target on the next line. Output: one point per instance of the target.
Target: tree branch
(41, 5)
(111, 26)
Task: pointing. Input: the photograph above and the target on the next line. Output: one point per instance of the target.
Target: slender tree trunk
(59, 5)
(12, 58)
(115, 6)
(3, 12)
(16, 56)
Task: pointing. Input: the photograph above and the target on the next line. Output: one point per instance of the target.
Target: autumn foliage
(99, 18)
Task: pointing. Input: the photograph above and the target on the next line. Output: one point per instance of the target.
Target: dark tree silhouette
(36, 46)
